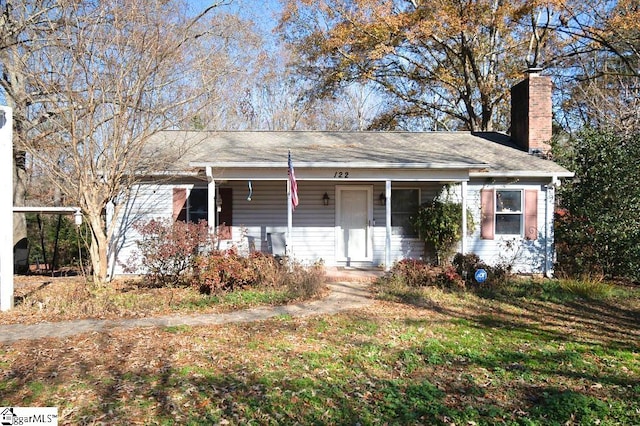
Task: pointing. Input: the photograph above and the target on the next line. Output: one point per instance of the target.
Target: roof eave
(354, 165)
(521, 174)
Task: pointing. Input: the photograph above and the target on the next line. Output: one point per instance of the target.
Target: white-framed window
(509, 212)
(404, 206)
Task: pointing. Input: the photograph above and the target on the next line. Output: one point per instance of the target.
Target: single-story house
(357, 191)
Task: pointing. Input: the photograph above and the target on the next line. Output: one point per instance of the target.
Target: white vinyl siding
(526, 256)
(313, 233)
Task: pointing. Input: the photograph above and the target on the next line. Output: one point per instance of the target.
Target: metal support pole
(6, 209)
(387, 241)
(463, 191)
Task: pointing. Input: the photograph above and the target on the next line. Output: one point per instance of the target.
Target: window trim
(519, 213)
(529, 212)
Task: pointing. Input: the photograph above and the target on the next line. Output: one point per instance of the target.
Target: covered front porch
(355, 216)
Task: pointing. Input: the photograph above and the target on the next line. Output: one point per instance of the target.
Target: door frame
(338, 216)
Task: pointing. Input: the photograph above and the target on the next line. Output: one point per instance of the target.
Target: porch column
(6, 209)
(212, 209)
(387, 241)
(463, 190)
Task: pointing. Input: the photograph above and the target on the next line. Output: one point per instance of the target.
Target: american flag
(293, 184)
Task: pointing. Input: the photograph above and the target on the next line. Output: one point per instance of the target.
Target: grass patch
(542, 356)
(248, 298)
(177, 329)
(41, 299)
(588, 288)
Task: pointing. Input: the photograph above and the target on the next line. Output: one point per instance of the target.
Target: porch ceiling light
(325, 199)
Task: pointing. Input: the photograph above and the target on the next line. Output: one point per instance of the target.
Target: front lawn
(427, 356)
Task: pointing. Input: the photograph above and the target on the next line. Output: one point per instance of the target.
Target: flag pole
(289, 218)
(288, 245)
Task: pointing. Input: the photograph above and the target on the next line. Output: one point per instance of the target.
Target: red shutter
(531, 214)
(179, 204)
(487, 225)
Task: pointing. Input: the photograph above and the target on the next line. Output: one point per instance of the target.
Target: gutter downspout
(548, 226)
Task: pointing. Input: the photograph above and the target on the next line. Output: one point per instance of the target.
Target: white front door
(354, 210)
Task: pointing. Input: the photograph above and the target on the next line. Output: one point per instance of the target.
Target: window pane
(508, 201)
(197, 205)
(404, 205)
(508, 224)
(401, 225)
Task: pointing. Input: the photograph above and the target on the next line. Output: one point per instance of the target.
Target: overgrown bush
(417, 273)
(439, 224)
(223, 270)
(178, 253)
(467, 265)
(269, 269)
(167, 251)
(303, 282)
(598, 227)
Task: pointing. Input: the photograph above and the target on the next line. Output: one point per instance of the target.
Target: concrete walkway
(344, 295)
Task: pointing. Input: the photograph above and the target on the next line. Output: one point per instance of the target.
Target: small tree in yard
(598, 228)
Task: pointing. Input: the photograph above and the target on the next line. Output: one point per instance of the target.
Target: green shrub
(56, 232)
(466, 266)
(598, 227)
(439, 224)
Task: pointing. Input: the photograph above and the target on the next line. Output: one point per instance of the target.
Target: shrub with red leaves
(167, 250)
(223, 270)
(417, 273)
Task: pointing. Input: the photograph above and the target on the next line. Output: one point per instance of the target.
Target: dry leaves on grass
(181, 372)
(41, 298)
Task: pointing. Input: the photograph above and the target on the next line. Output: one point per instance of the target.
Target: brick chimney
(531, 113)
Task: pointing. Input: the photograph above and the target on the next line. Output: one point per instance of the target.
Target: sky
(263, 12)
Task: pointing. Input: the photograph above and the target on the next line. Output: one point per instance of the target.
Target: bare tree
(113, 74)
(25, 27)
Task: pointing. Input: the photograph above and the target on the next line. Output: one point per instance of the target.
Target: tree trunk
(98, 249)
(19, 196)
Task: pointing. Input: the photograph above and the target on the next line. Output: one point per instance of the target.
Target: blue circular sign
(481, 275)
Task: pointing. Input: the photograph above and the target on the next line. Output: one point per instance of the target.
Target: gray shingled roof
(491, 152)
